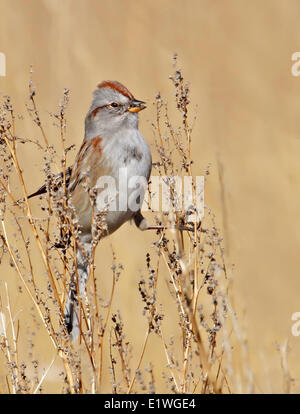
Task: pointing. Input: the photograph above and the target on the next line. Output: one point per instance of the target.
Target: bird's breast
(128, 150)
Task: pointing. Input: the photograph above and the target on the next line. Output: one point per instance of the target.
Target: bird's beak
(136, 106)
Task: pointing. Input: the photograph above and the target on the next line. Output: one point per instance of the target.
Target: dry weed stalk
(191, 263)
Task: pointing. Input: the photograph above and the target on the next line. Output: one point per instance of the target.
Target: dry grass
(198, 355)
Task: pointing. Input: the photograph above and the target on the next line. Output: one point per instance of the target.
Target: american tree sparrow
(113, 152)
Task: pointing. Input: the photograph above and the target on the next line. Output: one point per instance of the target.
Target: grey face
(119, 107)
(112, 110)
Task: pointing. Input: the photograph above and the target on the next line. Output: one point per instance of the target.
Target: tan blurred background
(237, 56)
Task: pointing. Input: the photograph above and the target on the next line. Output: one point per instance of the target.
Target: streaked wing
(88, 167)
(88, 158)
(58, 179)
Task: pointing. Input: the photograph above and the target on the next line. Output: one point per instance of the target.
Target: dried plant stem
(8, 192)
(101, 339)
(29, 215)
(44, 375)
(46, 262)
(169, 363)
(39, 123)
(140, 361)
(187, 347)
(10, 360)
(24, 282)
(112, 360)
(15, 350)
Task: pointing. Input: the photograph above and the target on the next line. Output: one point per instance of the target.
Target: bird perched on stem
(114, 161)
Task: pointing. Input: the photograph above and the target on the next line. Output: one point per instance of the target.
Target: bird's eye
(114, 105)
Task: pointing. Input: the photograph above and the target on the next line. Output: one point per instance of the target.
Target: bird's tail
(77, 286)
